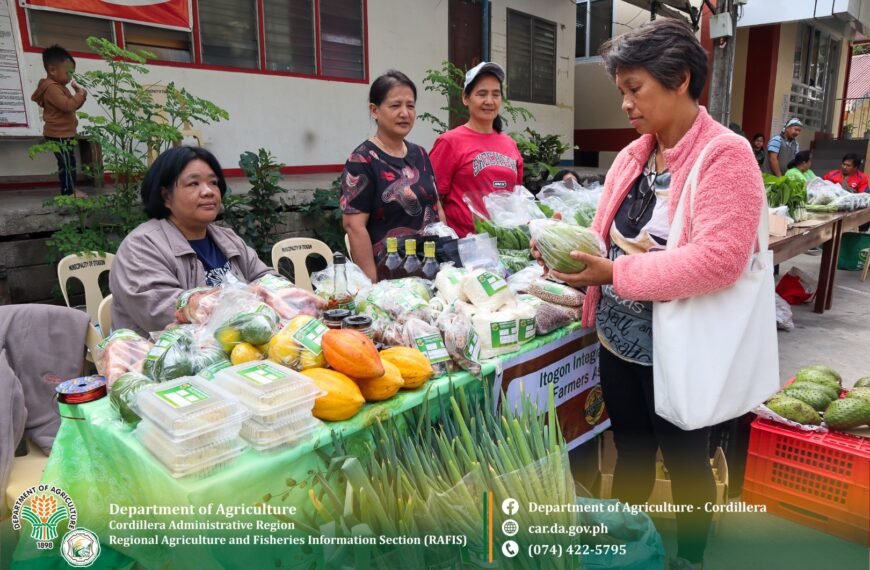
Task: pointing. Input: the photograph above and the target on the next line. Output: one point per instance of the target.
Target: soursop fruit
(826, 388)
(826, 370)
(793, 409)
(863, 382)
(815, 397)
(819, 376)
(848, 413)
(862, 392)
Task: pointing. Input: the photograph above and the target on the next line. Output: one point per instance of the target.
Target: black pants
(638, 432)
(66, 165)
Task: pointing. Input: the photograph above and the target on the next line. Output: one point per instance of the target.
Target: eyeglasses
(646, 192)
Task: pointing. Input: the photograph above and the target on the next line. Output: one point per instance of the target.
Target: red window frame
(197, 46)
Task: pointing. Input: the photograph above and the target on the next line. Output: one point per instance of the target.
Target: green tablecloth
(98, 462)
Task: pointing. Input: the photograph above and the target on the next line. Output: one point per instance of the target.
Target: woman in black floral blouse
(387, 187)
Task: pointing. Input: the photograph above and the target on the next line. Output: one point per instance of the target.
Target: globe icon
(510, 527)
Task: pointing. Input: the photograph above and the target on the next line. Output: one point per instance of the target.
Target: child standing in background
(59, 113)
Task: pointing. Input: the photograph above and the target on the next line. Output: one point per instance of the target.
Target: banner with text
(13, 112)
(570, 365)
(175, 14)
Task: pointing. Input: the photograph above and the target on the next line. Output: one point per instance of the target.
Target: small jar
(334, 318)
(359, 323)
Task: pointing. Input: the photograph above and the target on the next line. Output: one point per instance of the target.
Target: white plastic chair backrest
(297, 251)
(92, 339)
(347, 246)
(104, 316)
(87, 269)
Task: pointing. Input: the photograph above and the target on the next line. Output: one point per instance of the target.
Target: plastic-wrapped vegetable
(440, 229)
(121, 352)
(255, 326)
(556, 240)
(298, 344)
(427, 339)
(512, 208)
(460, 339)
(288, 300)
(123, 394)
(172, 356)
(197, 305)
(549, 317)
(575, 203)
(514, 260)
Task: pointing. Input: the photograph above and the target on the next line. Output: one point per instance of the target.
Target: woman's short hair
(164, 173)
(563, 173)
(666, 48)
(382, 85)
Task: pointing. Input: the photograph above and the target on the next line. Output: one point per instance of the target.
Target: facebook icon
(510, 507)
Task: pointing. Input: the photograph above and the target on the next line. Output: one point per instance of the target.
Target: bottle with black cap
(341, 297)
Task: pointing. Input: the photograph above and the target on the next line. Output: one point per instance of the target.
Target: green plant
(448, 82)
(256, 215)
(541, 155)
(132, 126)
(326, 207)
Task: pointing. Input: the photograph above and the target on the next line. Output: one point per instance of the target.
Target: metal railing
(856, 121)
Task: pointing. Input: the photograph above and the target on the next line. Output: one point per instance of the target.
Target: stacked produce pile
(817, 398)
(789, 192)
(285, 355)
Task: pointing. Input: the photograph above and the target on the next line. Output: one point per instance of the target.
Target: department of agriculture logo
(44, 507)
(80, 547)
(594, 406)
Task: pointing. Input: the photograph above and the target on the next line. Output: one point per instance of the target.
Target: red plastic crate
(822, 480)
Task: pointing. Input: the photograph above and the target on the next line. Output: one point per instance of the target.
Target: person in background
(180, 247)
(388, 184)
(566, 176)
(59, 113)
(783, 147)
(799, 167)
(758, 149)
(849, 175)
(639, 201)
(476, 158)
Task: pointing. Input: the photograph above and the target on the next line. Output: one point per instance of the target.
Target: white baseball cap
(483, 66)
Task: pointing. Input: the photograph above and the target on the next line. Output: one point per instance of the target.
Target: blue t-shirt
(213, 260)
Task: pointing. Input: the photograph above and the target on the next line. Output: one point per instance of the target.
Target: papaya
(343, 397)
(413, 365)
(352, 353)
(383, 388)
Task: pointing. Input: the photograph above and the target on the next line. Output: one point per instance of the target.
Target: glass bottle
(341, 297)
(430, 265)
(390, 266)
(412, 263)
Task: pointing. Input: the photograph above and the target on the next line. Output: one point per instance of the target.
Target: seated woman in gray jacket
(180, 247)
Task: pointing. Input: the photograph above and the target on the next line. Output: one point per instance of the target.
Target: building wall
(315, 123)
(738, 81)
(549, 119)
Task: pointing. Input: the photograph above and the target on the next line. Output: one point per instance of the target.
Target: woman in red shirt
(849, 175)
(476, 158)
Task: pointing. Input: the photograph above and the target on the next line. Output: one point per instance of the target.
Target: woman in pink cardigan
(660, 70)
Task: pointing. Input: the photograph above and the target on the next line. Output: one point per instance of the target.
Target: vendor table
(98, 461)
(825, 230)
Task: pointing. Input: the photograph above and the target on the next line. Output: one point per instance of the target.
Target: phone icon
(510, 548)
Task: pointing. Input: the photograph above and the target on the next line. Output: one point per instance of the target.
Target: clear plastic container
(293, 413)
(188, 407)
(263, 437)
(181, 461)
(267, 388)
(181, 445)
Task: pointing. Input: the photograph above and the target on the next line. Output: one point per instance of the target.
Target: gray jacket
(155, 264)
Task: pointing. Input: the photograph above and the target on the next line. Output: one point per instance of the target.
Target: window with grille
(816, 58)
(166, 45)
(531, 58)
(228, 32)
(594, 26)
(290, 36)
(67, 30)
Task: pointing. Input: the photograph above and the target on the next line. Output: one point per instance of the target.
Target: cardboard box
(661, 492)
(777, 225)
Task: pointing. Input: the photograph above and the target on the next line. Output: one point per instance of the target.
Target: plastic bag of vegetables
(122, 395)
(556, 240)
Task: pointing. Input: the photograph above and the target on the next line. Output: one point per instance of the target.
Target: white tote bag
(716, 356)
